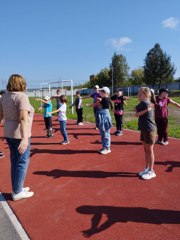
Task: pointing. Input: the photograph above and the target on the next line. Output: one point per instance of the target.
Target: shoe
(80, 123)
(22, 195)
(96, 128)
(26, 189)
(1, 155)
(143, 172)
(64, 142)
(119, 133)
(159, 142)
(165, 143)
(115, 132)
(100, 150)
(105, 151)
(148, 175)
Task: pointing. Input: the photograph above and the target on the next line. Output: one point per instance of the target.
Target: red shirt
(161, 107)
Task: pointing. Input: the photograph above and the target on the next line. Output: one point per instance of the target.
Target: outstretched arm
(41, 100)
(174, 103)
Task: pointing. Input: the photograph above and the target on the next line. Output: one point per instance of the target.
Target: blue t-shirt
(47, 108)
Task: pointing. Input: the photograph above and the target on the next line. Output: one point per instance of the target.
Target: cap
(161, 90)
(78, 92)
(96, 86)
(119, 90)
(47, 98)
(105, 89)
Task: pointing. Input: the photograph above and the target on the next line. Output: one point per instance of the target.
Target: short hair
(63, 98)
(16, 83)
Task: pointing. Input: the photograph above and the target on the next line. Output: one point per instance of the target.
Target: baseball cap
(47, 98)
(161, 90)
(105, 89)
(78, 92)
(96, 86)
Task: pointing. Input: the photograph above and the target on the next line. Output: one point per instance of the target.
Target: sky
(52, 40)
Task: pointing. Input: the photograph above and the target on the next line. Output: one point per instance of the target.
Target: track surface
(80, 193)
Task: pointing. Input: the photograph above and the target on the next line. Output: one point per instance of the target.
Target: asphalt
(10, 228)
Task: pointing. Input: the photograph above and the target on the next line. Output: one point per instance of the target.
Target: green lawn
(130, 121)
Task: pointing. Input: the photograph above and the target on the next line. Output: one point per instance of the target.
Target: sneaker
(158, 142)
(26, 189)
(1, 155)
(115, 132)
(22, 195)
(148, 175)
(100, 150)
(119, 133)
(105, 151)
(143, 172)
(165, 143)
(64, 142)
(80, 123)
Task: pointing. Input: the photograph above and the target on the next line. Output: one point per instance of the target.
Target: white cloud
(118, 43)
(171, 23)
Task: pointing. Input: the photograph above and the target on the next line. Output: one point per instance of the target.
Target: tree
(119, 70)
(137, 76)
(158, 68)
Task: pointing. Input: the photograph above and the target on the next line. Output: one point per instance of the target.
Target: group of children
(150, 107)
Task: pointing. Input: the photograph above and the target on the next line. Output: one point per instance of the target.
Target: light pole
(112, 81)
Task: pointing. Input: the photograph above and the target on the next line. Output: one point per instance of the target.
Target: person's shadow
(125, 214)
(57, 173)
(170, 165)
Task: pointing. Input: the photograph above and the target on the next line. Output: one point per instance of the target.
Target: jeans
(19, 164)
(104, 124)
(63, 130)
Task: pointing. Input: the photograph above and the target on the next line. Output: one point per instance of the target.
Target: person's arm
(88, 96)
(174, 103)
(138, 114)
(41, 100)
(79, 103)
(55, 111)
(23, 119)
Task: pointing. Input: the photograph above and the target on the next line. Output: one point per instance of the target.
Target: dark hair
(63, 99)
(161, 90)
(78, 92)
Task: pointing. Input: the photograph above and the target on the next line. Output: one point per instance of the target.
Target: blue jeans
(63, 130)
(19, 164)
(104, 124)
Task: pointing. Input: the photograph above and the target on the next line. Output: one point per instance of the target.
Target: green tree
(119, 70)
(158, 68)
(103, 78)
(137, 76)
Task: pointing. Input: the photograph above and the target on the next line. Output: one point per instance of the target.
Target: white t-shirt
(62, 112)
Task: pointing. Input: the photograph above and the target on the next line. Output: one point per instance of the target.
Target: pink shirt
(10, 104)
(161, 108)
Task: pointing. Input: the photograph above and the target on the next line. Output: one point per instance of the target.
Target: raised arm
(174, 103)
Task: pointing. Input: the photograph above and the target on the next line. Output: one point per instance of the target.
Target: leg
(63, 130)
(159, 129)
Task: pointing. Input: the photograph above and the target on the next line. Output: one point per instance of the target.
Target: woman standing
(18, 115)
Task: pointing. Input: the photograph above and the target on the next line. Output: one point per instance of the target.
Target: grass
(130, 121)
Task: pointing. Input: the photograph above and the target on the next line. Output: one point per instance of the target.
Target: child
(148, 131)
(119, 103)
(62, 118)
(57, 97)
(104, 119)
(161, 115)
(79, 108)
(47, 105)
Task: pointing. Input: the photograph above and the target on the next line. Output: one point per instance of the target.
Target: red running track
(80, 193)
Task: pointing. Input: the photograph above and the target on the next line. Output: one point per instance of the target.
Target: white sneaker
(80, 123)
(26, 189)
(105, 151)
(143, 172)
(165, 143)
(64, 142)
(148, 175)
(22, 195)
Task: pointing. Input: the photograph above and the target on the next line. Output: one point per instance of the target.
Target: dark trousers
(79, 112)
(95, 115)
(162, 129)
(48, 122)
(119, 124)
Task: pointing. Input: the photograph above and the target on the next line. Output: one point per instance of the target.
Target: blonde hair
(16, 83)
(146, 91)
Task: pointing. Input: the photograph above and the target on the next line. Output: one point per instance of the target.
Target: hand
(23, 145)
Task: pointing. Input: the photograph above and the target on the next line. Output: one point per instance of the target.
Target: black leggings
(119, 124)
(48, 122)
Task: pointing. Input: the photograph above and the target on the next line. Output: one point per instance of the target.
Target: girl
(104, 119)
(47, 117)
(161, 115)
(62, 118)
(119, 103)
(79, 108)
(148, 131)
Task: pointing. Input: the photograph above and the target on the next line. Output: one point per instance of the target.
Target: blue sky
(47, 40)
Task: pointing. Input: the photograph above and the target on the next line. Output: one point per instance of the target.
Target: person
(147, 128)
(79, 108)
(47, 105)
(161, 115)
(62, 118)
(104, 123)
(1, 153)
(119, 102)
(94, 95)
(57, 97)
(18, 115)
